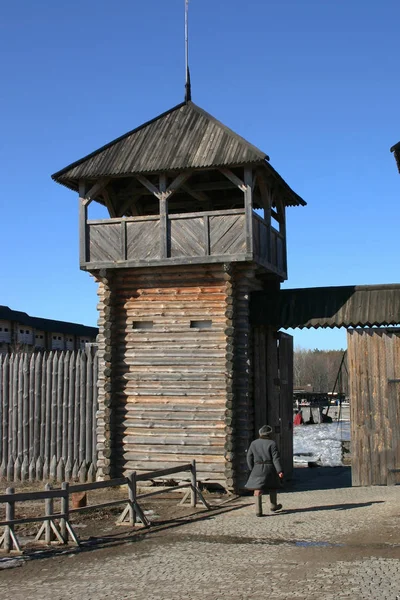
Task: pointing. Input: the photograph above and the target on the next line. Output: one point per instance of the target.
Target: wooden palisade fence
(48, 404)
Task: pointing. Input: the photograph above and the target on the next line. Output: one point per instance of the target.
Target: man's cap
(265, 430)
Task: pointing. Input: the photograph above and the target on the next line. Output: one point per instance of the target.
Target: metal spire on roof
(188, 87)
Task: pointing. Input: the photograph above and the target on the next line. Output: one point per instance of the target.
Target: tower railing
(196, 237)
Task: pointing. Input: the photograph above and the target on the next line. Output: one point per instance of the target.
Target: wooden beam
(97, 188)
(177, 183)
(248, 207)
(282, 228)
(82, 231)
(209, 186)
(163, 198)
(82, 188)
(109, 204)
(275, 215)
(198, 195)
(264, 190)
(205, 186)
(129, 203)
(83, 217)
(235, 180)
(147, 184)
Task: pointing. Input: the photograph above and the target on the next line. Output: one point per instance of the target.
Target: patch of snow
(11, 563)
(320, 443)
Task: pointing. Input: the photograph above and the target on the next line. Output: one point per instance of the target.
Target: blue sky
(313, 83)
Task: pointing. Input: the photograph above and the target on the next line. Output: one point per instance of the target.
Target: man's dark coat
(264, 462)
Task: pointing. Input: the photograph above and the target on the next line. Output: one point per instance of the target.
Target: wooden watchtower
(196, 223)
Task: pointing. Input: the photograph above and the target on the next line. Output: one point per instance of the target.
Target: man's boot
(258, 499)
(273, 497)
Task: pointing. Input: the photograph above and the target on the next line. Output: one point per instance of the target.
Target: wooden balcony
(175, 239)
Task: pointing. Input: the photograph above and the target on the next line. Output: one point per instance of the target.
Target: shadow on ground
(121, 538)
(347, 506)
(318, 478)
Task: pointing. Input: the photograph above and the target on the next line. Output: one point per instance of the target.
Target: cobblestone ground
(326, 544)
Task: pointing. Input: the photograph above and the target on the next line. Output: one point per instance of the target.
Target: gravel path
(326, 544)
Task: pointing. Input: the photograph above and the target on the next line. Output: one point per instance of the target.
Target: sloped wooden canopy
(328, 307)
(182, 139)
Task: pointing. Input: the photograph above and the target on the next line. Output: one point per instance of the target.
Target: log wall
(176, 370)
(374, 377)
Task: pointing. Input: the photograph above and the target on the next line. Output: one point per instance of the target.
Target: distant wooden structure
(21, 332)
(196, 224)
(373, 362)
(374, 373)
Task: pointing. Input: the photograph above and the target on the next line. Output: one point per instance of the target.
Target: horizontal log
(159, 353)
(28, 496)
(197, 369)
(170, 377)
(152, 441)
(161, 392)
(26, 520)
(174, 361)
(135, 426)
(132, 455)
(162, 491)
(171, 399)
(190, 404)
(145, 466)
(182, 261)
(164, 472)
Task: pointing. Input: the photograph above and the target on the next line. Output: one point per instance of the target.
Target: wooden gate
(285, 362)
(273, 389)
(374, 377)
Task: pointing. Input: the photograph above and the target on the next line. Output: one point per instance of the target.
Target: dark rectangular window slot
(142, 325)
(200, 324)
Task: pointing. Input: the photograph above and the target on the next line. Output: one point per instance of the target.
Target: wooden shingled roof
(185, 137)
(323, 307)
(396, 150)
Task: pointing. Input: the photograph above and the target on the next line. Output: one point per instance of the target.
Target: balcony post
(163, 216)
(83, 213)
(283, 231)
(248, 205)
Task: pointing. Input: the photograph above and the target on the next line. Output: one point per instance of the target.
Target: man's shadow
(347, 506)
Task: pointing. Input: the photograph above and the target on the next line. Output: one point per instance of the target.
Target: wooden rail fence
(48, 404)
(56, 526)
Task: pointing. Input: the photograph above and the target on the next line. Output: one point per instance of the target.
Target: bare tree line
(319, 370)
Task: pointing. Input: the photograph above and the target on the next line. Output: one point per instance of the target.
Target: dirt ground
(97, 524)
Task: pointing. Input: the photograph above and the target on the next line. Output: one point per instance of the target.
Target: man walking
(266, 472)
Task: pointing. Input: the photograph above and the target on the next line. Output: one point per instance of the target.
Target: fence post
(193, 494)
(9, 539)
(64, 511)
(48, 511)
(10, 514)
(132, 491)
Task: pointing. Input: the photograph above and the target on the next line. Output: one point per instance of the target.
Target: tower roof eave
(185, 137)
